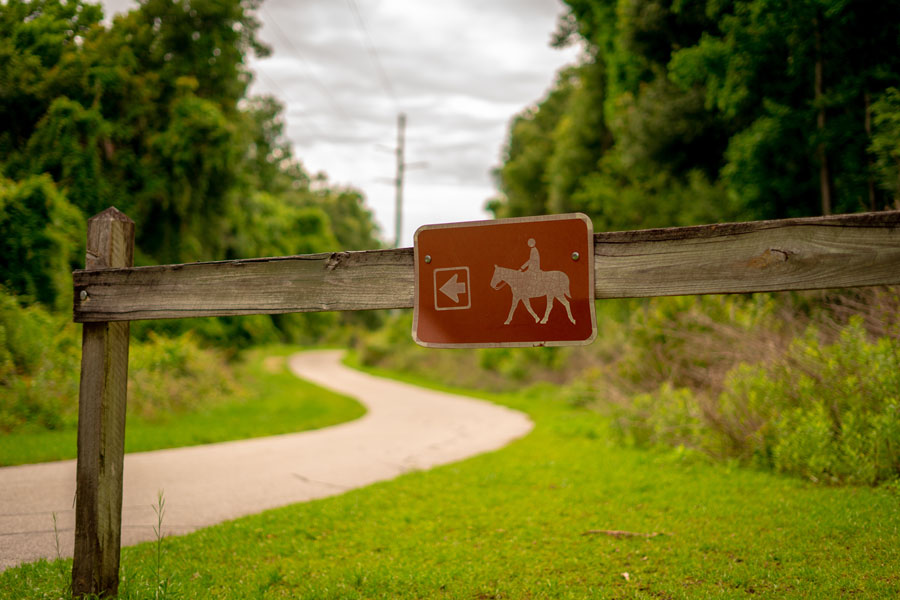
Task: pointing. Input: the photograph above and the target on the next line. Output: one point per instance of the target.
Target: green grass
(513, 523)
(275, 402)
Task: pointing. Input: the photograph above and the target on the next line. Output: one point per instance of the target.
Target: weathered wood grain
(310, 283)
(101, 423)
(795, 254)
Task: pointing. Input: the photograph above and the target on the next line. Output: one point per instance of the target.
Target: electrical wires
(335, 105)
(373, 54)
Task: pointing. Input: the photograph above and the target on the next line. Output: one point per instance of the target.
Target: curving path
(406, 427)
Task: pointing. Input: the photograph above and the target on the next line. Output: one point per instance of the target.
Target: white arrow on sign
(453, 288)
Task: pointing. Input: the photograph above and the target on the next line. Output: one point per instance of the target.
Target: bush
(38, 367)
(40, 364)
(169, 376)
(840, 420)
(827, 412)
(692, 341)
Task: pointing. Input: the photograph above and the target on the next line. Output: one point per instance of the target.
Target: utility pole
(398, 182)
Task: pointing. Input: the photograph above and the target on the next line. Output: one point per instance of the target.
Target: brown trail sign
(474, 290)
(794, 254)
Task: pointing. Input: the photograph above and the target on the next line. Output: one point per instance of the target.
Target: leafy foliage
(150, 114)
(819, 402)
(827, 412)
(41, 239)
(39, 357)
(886, 141)
(681, 113)
(38, 368)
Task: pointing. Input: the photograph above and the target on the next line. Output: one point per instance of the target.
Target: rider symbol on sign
(529, 281)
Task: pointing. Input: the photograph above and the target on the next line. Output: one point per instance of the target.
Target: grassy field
(275, 402)
(537, 520)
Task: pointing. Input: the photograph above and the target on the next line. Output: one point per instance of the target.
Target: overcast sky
(458, 69)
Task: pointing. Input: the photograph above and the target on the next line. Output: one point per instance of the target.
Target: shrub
(840, 420)
(827, 412)
(38, 367)
(692, 341)
(168, 376)
(40, 363)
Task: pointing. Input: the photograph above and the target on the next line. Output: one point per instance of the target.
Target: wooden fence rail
(794, 254)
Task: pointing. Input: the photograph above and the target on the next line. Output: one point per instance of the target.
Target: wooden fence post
(101, 421)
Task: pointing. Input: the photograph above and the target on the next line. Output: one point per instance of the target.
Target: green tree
(352, 223)
(523, 175)
(579, 139)
(621, 139)
(150, 114)
(66, 144)
(796, 81)
(886, 142)
(197, 158)
(39, 44)
(716, 110)
(40, 240)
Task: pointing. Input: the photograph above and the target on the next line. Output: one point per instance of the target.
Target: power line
(307, 119)
(312, 76)
(373, 54)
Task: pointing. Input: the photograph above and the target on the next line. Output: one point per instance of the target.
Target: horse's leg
(568, 308)
(549, 308)
(527, 302)
(512, 309)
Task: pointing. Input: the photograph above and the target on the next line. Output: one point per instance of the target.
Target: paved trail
(405, 428)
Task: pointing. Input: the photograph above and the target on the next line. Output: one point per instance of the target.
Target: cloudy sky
(458, 69)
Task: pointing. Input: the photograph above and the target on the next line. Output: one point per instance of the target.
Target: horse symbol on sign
(529, 281)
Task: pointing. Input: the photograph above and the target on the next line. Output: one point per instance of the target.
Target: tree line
(149, 113)
(683, 112)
